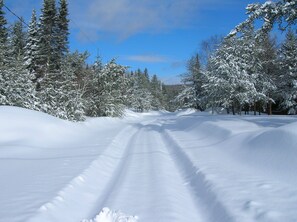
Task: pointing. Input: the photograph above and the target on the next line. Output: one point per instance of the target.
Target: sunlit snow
(157, 166)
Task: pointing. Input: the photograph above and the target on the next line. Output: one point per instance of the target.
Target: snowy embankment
(183, 166)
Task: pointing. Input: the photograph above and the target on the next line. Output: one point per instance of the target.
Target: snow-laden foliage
(60, 92)
(238, 73)
(31, 56)
(37, 71)
(16, 87)
(192, 96)
(106, 90)
(282, 12)
(287, 80)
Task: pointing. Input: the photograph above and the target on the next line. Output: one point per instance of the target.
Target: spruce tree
(63, 29)
(3, 54)
(3, 23)
(3, 35)
(287, 80)
(47, 41)
(31, 52)
(192, 95)
(61, 94)
(17, 40)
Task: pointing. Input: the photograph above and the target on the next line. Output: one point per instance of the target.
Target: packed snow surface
(185, 166)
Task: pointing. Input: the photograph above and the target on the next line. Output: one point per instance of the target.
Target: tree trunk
(255, 108)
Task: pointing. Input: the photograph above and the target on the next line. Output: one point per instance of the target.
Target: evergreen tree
(140, 96)
(193, 96)
(17, 40)
(282, 12)
(17, 87)
(112, 79)
(3, 35)
(287, 81)
(3, 54)
(106, 89)
(63, 30)
(47, 41)
(156, 91)
(61, 95)
(3, 23)
(31, 53)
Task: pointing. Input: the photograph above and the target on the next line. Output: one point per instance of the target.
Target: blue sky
(160, 35)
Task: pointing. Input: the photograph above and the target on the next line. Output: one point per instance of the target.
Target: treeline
(247, 70)
(37, 71)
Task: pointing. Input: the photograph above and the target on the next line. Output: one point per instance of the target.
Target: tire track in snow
(116, 176)
(148, 183)
(199, 186)
(74, 202)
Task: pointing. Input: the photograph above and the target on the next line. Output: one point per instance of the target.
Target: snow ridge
(200, 187)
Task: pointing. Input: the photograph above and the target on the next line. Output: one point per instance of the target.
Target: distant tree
(106, 89)
(139, 91)
(192, 96)
(156, 89)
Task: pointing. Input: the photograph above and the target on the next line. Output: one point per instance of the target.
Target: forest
(250, 70)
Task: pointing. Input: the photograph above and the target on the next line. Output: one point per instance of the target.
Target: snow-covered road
(163, 167)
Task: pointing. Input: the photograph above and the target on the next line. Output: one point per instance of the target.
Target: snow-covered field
(156, 167)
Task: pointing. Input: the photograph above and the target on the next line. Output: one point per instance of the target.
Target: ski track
(67, 205)
(156, 189)
(130, 166)
(199, 186)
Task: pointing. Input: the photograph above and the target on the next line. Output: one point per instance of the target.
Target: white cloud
(147, 58)
(125, 18)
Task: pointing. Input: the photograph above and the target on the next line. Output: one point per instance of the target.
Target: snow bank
(27, 127)
(107, 215)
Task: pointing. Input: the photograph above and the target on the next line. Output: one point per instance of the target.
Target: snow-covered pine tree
(112, 83)
(282, 12)
(287, 80)
(3, 53)
(3, 35)
(192, 95)
(17, 86)
(17, 39)
(229, 82)
(156, 89)
(61, 94)
(140, 96)
(62, 30)
(266, 52)
(47, 41)
(31, 52)
(93, 90)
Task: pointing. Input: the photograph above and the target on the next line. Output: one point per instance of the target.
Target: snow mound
(185, 112)
(107, 215)
(19, 124)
